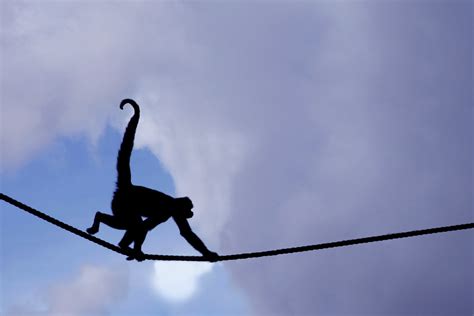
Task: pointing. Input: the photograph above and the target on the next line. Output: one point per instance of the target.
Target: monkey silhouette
(131, 203)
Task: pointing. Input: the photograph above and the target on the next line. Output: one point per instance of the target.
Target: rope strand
(238, 256)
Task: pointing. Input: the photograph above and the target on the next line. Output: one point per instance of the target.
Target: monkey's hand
(211, 256)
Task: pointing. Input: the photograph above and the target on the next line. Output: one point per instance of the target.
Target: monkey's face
(184, 206)
(188, 213)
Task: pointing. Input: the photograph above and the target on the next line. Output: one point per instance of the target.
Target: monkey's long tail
(124, 175)
(239, 256)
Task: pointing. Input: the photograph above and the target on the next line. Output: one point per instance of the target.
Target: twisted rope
(239, 256)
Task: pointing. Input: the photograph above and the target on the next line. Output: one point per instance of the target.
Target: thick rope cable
(238, 256)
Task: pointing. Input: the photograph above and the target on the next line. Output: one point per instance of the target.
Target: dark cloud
(381, 143)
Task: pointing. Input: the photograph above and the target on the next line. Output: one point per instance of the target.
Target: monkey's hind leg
(94, 229)
(136, 234)
(109, 220)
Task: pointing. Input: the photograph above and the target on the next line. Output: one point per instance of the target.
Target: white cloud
(92, 292)
(69, 64)
(202, 156)
(177, 282)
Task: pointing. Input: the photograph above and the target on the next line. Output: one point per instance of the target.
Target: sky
(287, 123)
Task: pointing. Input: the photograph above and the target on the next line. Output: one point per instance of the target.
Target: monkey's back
(141, 201)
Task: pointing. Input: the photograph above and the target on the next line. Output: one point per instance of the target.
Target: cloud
(287, 124)
(177, 282)
(68, 65)
(377, 140)
(92, 292)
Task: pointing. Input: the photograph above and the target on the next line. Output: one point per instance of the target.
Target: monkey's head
(183, 206)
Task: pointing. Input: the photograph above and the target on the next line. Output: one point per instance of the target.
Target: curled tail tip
(131, 102)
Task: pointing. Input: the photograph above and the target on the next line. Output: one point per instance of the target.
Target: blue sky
(286, 123)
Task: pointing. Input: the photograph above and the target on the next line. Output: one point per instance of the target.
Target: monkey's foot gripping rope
(248, 255)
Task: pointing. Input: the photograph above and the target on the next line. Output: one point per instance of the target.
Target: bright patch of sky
(178, 281)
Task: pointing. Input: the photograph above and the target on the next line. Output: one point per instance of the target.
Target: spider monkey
(131, 202)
